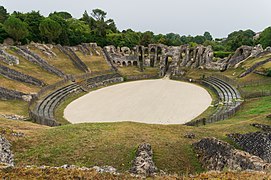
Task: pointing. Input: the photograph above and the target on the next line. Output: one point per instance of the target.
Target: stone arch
(124, 63)
(129, 63)
(118, 63)
(134, 63)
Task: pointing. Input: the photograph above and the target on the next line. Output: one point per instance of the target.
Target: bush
(221, 54)
(269, 72)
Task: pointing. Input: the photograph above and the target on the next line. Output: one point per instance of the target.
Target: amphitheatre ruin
(122, 94)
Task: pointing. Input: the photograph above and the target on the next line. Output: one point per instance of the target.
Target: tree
(78, 31)
(3, 14)
(3, 34)
(64, 15)
(239, 38)
(33, 19)
(265, 37)
(16, 28)
(98, 14)
(146, 38)
(199, 39)
(208, 36)
(64, 36)
(50, 29)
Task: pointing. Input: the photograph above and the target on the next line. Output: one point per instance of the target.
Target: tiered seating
(49, 103)
(230, 98)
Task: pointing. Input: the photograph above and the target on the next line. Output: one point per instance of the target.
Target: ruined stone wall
(18, 76)
(218, 155)
(7, 94)
(8, 58)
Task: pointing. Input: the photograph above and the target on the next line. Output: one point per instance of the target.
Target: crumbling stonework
(143, 163)
(45, 49)
(7, 94)
(218, 155)
(173, 59)
(258, 144)
(6, 156)
(8, 58)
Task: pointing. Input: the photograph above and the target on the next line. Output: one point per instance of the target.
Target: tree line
(62, 28)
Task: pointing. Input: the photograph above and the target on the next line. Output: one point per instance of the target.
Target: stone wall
(143, 163)
(6, 156)
(218, 155)
(18, 76)
(258, 144)
(8, 58)
(7, 94)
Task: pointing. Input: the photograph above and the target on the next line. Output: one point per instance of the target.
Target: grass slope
(115, 143)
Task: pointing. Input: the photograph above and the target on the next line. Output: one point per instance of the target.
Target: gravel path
(150, 101)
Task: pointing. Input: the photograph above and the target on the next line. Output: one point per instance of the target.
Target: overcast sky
(185, 17)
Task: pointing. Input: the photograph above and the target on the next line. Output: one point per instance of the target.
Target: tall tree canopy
(50, 29)
(15, 28)
(3, 14)
(265, 37)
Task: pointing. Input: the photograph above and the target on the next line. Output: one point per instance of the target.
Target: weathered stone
(263, 127)
(143, 163)
(190, 135)
(258, 144)
(218, 155)
(7, 94)
(6, 156)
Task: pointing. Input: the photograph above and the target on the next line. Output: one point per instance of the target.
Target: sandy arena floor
(150, 101)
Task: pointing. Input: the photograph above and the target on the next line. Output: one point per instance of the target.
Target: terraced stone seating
(44, 111)
(230, 98)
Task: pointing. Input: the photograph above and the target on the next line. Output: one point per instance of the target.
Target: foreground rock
(6, 156)
(217, 155)
(143, 163)
(258, 144)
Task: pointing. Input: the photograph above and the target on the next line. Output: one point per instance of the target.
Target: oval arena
(150, 101)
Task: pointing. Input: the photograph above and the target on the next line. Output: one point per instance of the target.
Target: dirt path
(160, 101)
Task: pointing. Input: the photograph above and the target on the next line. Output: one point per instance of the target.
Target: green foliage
(146, 38)
(16, 28)
(78, 31)
(3, 34)
(221, 54)
(64, 15)
(239, 38)
(33, 20)
(50, 29)
(269, 73)
(208, 36)
(265, 37)
(3, 14)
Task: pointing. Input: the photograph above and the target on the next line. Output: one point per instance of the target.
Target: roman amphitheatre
(124, 112)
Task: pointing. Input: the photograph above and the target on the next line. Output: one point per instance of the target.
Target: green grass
(18, 107)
